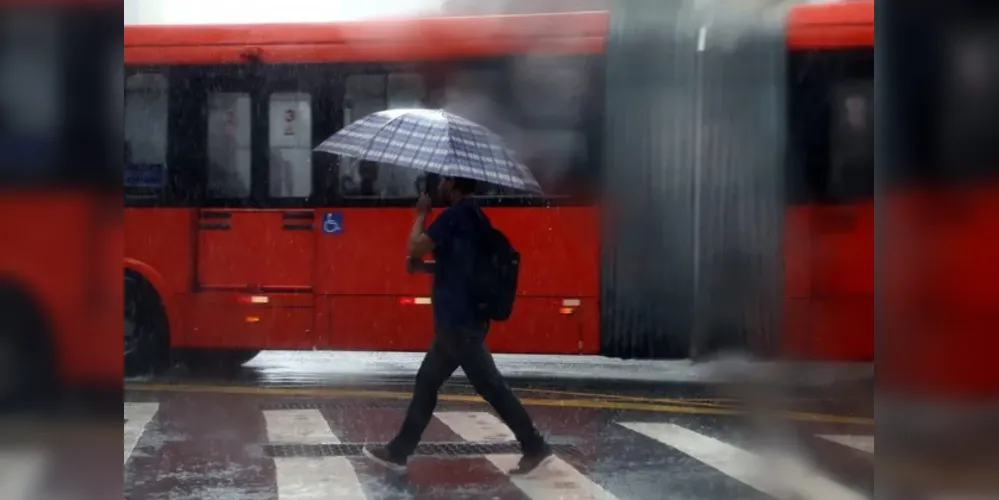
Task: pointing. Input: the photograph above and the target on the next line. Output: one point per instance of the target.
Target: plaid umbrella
(433, 141)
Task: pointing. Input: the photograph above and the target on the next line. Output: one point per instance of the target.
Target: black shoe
(384, 457)
(533, 460)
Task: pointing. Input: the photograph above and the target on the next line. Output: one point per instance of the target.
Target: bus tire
(147, 331)
(27, 366)
(215, 360)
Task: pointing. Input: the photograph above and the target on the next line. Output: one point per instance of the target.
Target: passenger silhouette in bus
(852, 172)
(368, 172)
(282, 181)
(459, 330)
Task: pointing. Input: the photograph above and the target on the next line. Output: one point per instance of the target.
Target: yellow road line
(729, 403)
(464, 398)
(705, 402)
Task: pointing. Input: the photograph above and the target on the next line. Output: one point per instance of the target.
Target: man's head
(451, 189)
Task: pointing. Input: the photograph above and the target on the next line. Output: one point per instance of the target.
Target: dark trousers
(465, 348)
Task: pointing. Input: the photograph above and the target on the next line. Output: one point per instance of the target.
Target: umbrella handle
(421, 184)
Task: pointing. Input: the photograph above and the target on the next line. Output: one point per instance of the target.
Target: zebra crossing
(305, 478)
(314, 472)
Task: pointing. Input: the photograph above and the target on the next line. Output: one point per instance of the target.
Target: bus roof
(814, 26)
(416, 39)
(831, 25)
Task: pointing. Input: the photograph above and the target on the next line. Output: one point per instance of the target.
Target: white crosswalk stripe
(137, 417)
(335, 477)
(861, 443)
(792, 476)
(555, 479)
(306, 478)
(21, 473)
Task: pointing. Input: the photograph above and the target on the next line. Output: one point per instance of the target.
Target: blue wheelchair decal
(332, 222)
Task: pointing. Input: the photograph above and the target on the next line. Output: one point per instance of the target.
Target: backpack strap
(483, 220)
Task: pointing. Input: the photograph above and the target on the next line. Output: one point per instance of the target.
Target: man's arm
(419, 243)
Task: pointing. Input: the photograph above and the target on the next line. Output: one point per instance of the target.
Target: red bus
(59, 209)
(238, 238)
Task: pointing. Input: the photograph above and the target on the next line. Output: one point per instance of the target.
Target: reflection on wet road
(291, 426)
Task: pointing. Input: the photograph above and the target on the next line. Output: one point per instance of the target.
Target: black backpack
(497, 267)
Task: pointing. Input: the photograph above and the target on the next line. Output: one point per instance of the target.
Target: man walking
(459, 331)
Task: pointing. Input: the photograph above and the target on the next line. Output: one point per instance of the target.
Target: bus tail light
(568, 306)
(254, 299)
(415, 301)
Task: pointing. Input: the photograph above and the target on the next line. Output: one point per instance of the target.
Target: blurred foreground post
(938, 98)
(695, 152)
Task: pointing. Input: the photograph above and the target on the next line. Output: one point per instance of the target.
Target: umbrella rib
(390, 138)
(423, 141)
(374, 136)
(450, 140)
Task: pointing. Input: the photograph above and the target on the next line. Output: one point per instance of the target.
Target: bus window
(146, 108)
(290, 145)
(556, 157)
(553, 98)
(476, 95)
(366, 94)
(229, 150)
(851, 172)
(551, 90)
(831, 157)
(30, 95)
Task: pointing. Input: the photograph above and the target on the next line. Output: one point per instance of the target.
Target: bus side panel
(227, 319)
(257, 248)
(843, 305)
(162, 240)
(392, 323)
(374, 304)
(559, 245)
(796, 337)
(101, 365)
(46, 256)
(558, 311)
(844, 250)
(829, 283)
(843, 328)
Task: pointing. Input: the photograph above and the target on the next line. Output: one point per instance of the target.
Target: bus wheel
(27, 370)
(147, 336)
(221, 361)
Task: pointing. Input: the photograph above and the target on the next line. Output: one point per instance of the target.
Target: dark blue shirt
(454, 235)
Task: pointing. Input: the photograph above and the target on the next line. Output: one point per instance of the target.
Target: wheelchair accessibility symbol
(332, 222)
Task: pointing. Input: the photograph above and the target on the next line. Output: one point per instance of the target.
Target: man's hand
(414, 266)
(423, 204)
(419, 243)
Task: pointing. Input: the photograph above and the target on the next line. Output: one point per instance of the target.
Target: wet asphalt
(292, 425)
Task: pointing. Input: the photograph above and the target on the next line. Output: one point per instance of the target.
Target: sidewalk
(577, 368)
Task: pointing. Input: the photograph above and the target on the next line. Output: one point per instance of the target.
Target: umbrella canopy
(433, 141)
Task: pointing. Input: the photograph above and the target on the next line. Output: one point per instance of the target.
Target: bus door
(256, 231)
